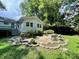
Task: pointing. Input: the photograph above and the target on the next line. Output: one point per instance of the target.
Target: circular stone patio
(51, 41)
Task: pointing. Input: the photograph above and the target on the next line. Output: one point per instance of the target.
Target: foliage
(2, 6)
(31, 34)
(76, 19)
(70, 1)
(38, 33)
(44, 9)
(48, 11)
(48, 32)
(65, 30)
(33, 41)
(77, 28)
(22, 35)
(75, 23)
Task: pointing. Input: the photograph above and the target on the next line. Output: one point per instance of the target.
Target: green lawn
(21, 52)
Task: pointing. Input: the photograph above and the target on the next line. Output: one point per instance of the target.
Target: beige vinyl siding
(34, 27)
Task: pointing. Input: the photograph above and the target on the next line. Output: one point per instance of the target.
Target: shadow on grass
(11, 52)
(40, 56)
(6, 49)
(4, 40)
(20, 53)
(14, 52)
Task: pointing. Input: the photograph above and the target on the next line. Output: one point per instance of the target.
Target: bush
(48, 32)
(38, 33)
(65, 30)
(77, 29)
(33, 41)
(46, 26)
(31, 34)
(22, 35)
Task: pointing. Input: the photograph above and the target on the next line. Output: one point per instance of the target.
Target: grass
(22, 52)
(73, 43)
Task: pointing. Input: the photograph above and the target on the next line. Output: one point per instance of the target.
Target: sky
(13, 9)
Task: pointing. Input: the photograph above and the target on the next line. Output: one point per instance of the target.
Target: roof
(24, 18)
(2, 6)
(6, 19)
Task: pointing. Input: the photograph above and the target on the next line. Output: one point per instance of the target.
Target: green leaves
(42, 8)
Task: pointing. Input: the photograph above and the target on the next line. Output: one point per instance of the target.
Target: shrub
(33, 41)
(35, 33)
(48, 32)
(22, 35)
(77, 29)
(46, 26)
(38, 33)
(31, 34)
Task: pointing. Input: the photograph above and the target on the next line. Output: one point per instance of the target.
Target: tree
(2, 6)
(46, 10)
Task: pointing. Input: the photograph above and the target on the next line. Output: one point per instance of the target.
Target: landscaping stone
(51, 41)
(64, 49)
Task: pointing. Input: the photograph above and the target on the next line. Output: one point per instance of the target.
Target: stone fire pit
(53, 41)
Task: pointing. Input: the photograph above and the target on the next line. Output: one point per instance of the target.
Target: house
(27, 24)
(6, 23)
(7, 26)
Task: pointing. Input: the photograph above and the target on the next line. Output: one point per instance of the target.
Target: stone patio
(51, 41)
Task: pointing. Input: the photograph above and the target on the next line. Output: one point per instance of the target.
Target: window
(6, 23)
(38, 25)
(27, 23)
(12, 25)
(18, 26)
(31, 24)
